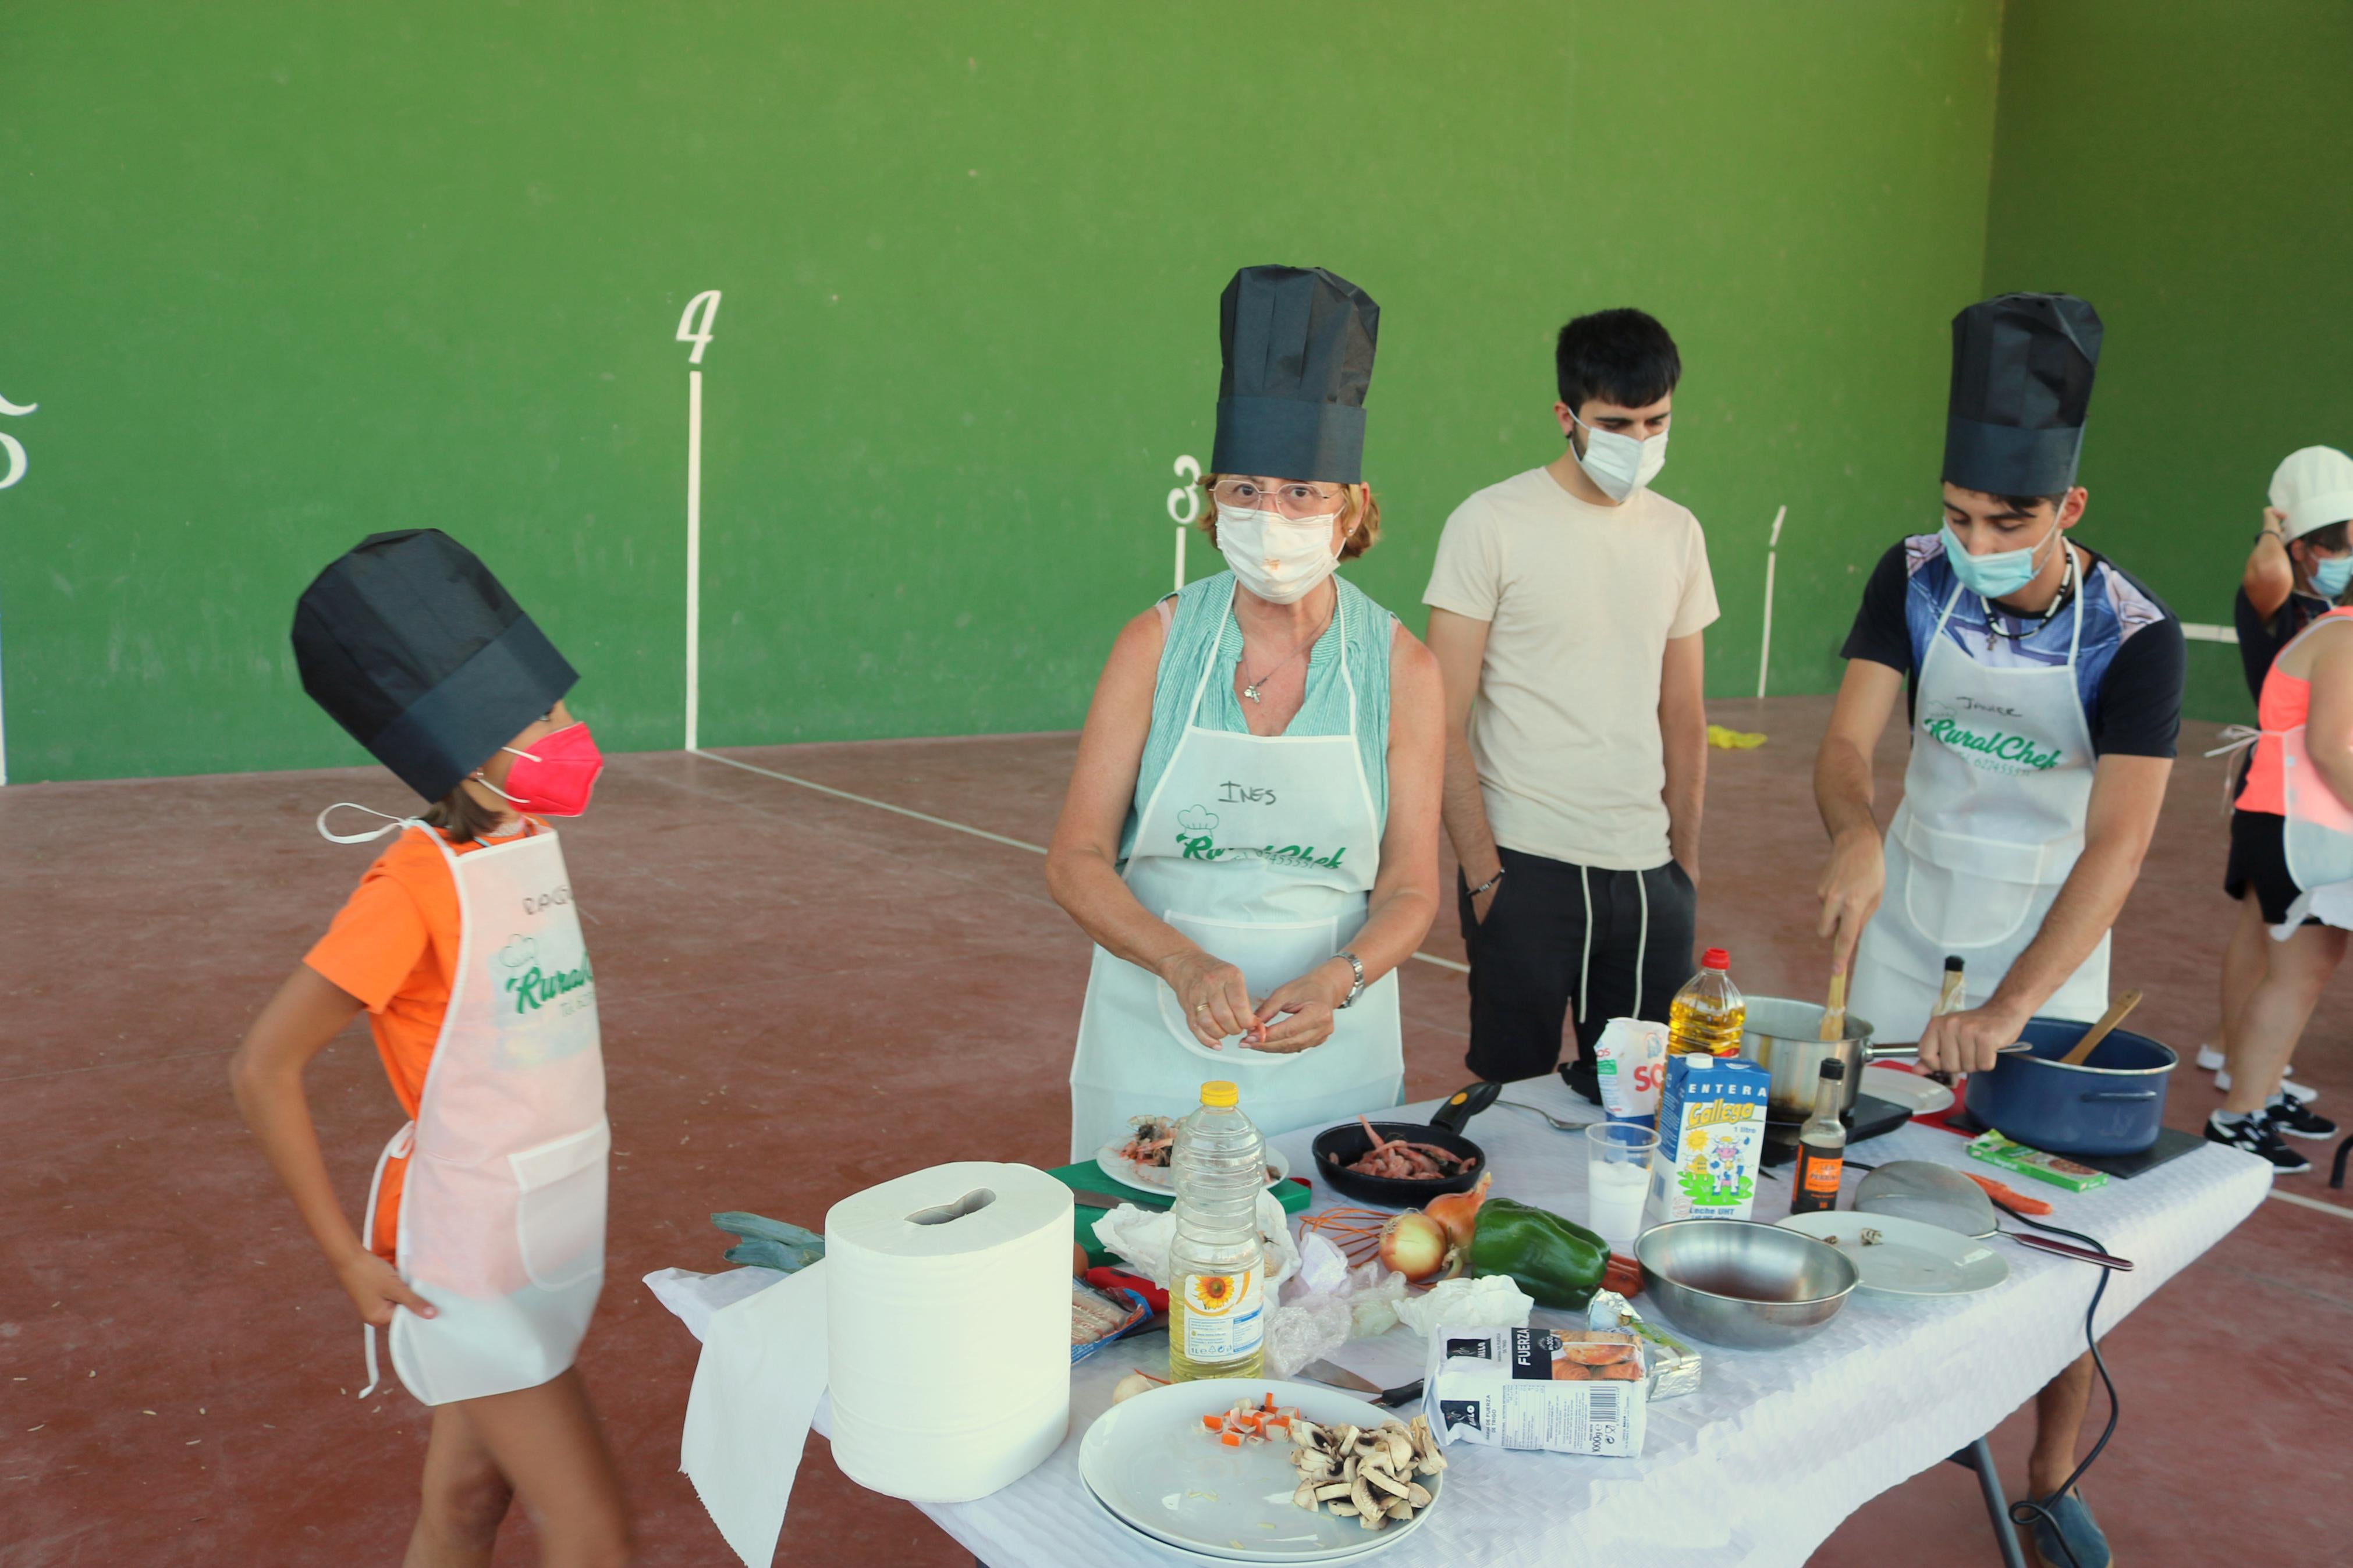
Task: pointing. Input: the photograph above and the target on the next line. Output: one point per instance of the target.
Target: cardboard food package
(1711, 1138)
(1568, 1391)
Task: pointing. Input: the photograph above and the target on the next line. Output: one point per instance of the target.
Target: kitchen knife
(1088, 1198)
(1341, 1377)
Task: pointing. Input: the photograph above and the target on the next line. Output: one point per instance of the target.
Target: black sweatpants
(1536, 951)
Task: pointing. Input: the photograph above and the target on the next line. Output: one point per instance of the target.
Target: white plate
(1150, 1462)
(1152, 1545)
(1155, 1178)
(1910, 1258)
(1920, 1095)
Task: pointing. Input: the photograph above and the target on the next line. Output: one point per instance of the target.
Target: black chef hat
(1298, 346)
(410, 643)
(2022, 369)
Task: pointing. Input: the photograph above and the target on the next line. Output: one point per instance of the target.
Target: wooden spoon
(1834, 1015)
(2108, 1020)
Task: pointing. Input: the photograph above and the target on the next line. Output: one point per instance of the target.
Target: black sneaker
(2295, 1119)
(2256, 1137)
(1580, 1076)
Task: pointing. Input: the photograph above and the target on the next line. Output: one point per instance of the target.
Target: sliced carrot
(1232, 1439)
(1213, 1422)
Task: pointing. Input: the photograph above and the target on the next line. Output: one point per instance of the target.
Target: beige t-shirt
(1579, 601)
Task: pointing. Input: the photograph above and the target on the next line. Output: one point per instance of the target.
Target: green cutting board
(1292, 1194)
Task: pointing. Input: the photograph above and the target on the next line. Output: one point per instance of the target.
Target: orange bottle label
(1822, 1175)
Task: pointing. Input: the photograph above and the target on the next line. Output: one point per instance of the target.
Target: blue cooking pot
(2112, 1104)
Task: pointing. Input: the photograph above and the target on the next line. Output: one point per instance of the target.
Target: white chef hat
(2315, 488)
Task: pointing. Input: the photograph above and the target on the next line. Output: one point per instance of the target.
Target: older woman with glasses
(1250, 835)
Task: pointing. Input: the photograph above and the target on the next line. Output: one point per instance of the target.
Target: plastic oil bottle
(1217, 1268)
(1708, 1013)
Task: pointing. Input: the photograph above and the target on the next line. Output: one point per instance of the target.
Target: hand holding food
(1213, 994)
(1299, 1016)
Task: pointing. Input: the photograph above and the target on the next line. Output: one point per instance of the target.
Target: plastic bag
(1305, 1329)
(1490, 1302)
(1143, 1237)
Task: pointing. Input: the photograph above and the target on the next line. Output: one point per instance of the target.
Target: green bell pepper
(1557, 1263)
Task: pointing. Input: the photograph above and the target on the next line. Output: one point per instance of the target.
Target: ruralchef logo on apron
(1975, 729)
(527, 987)
(1195, 836)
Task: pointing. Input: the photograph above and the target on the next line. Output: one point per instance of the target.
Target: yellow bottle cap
(1219, 1094)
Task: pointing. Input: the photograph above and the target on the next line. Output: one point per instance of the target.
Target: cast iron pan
(1337, 1147)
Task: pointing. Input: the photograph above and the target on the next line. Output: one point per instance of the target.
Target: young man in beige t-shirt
(1566, 611)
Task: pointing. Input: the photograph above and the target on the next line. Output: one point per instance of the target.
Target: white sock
(2226, 1120)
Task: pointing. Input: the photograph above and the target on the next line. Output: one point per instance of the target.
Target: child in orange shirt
(485, 1258)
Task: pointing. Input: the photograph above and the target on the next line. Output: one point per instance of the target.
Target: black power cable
(2029, 1513)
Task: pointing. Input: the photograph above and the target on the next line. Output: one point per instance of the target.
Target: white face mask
(1280, 559)
(1620, 464)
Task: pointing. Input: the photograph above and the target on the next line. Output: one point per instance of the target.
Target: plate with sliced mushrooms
(1256, 1470)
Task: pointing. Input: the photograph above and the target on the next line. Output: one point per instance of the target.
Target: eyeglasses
(1293, 498)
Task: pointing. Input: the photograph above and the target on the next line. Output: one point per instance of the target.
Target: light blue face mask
(2329, 576)
(2001, 574)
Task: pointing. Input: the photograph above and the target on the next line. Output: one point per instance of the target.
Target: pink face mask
(556, 776)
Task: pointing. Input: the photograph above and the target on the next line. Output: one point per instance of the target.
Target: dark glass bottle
(1821, 1146)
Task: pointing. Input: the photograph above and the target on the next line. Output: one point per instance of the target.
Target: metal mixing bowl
(1742, 1283)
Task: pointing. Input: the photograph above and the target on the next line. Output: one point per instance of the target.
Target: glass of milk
(1617, 1177)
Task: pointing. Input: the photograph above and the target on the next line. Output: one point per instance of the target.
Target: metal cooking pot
(1780, 1036)
(2112, 1104)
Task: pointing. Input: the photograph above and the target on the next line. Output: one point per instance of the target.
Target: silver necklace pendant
(1251, 692)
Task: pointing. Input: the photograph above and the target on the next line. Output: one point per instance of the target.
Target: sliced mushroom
(1348, 1470)
(1430, 1464)
(1374, 1518)
(1306, 1496)
(1401, 1452)
(1343, 1436)
(1398, 1508)
(1315, 1463)
(1361, 1494)
(1416, 1494)
(1383, 1480)
(1326, 1493)
(1304, 1433)
(1343, 1508)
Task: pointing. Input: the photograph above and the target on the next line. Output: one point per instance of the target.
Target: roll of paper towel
(948, 1306)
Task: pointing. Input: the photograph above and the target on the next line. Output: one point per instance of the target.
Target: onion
(1416, 1245)
(1459, 1212)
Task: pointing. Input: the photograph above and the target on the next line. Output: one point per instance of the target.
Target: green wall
(282, 274)
(2188, 167)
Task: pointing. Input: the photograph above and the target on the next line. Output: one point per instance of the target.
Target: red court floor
(803, 995)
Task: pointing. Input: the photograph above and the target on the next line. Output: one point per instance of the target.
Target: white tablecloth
(1776, 1448)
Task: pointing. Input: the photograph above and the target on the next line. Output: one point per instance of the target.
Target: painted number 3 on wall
(12, 452)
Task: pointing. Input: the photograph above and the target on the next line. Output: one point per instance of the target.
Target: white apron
(1262, 849)
(2318, 833)
(1991, 822)
(501, 1222)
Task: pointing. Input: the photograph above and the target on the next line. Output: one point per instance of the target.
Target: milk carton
(1629, 1060)
(1711, 1137)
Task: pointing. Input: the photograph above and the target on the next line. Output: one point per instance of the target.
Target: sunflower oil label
(1223, 1318)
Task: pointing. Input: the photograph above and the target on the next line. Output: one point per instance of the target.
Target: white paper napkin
(755, 1389)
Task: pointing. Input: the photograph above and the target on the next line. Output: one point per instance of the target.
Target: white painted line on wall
(2198, 631)
(958, 827)
(1772, 548)
(694, 326)
(13, 463)
(693, 559)
(1184, 507)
